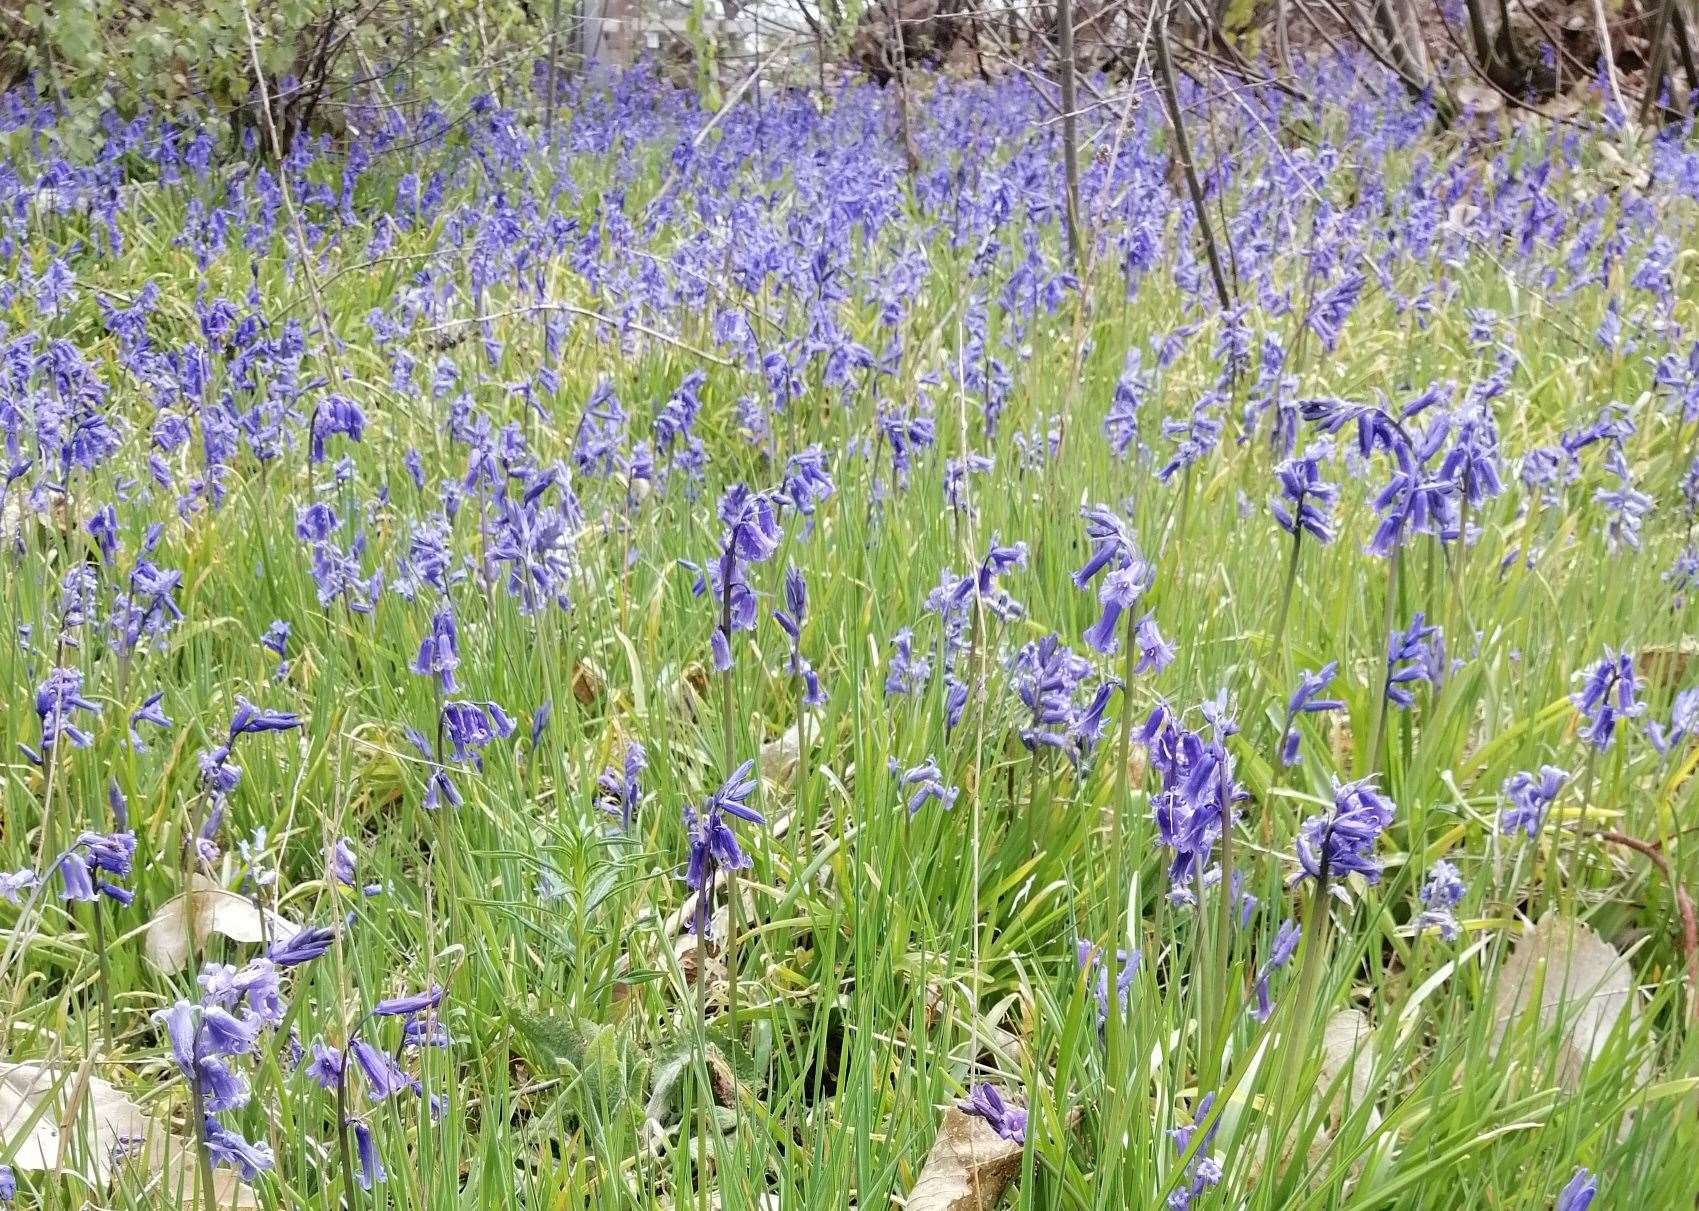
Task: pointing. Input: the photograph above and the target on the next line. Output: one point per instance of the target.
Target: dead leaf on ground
(1666, 664)
(968, 1168)
(210, 909)
(60, 1118)
(780, 757)
(1582, 983)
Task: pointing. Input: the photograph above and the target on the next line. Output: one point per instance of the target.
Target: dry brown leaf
(210, 909)
(60, 1118)
(779, 758)
(968, 1168)
(1581, 981)
(1666, 664)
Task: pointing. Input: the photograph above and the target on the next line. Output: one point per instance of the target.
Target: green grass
(885, 962)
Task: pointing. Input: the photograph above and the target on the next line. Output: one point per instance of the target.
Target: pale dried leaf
(1581, 982)
(60, 1118)
(968, 1168)
(208, 909)
(779, 758)
(1345, 1041)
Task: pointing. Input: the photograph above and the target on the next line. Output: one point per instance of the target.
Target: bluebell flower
(1285, 946)
(1684, 721)
(713, 845)
(302, 946)
(150, 712)
(923, 783)
(1090, 958)
(439, 651)
(1440, 895)
(1528, 797)
(371, 1168)
(1155, 652)
(907, 673)
(57, 699)
(1342, 842)
(1606, 697)
(384, 1078)
(1112, 543)
(411, 1003)
(1306, 700)
(337, 414)
(1121, 590)
(790, 621)
(228, 1148)
(984, 1102)
(1578, 1193)
(1414, 655)
(621, 790)
(1305, 499)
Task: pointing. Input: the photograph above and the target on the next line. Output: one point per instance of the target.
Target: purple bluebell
(1112, 543)
(1205, 1170)
(1279, 954)
(790, 621)
(1684, 721)
(228, 1148)
(923, 783)
(713, 845)
(907, 673)
(411, 1003)
(439, 651)
(1155, 652)
(1528, 797)
(1305, 700)
(57, 699)
(1578, 1193)
(335, 415)
(151, 712)
(383, 1077)
(621, 789)
(1305, 501)
(1440, 894)
(1413, 656)
(303, 946)
(985, 1102)
(371, 1168)
(751, 537)
(1342, 841)
(1090, 958)
(1120, 591)
(1606, 697)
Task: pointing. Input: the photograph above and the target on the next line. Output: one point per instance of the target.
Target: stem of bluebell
(1372, 754)
(1115, 1032)
(1286, 593)
(1300, 1017)
(1552, 870)
(203, 1153)
(727, 706)
(104, 969)
(344, 1146)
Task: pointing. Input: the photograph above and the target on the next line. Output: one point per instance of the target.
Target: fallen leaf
(1666, 664)
(968, 1168)
(1582, 983)
(1344, 1043)
(211, 909)
(779, 758)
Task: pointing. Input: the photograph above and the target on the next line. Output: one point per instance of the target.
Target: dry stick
(609, 320)
(1070, 131)
(1609, 54)
(1660, 57)
(1684, 48)
(1182, 150)
(911, 154)
(1683, 906)
(554, 74)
